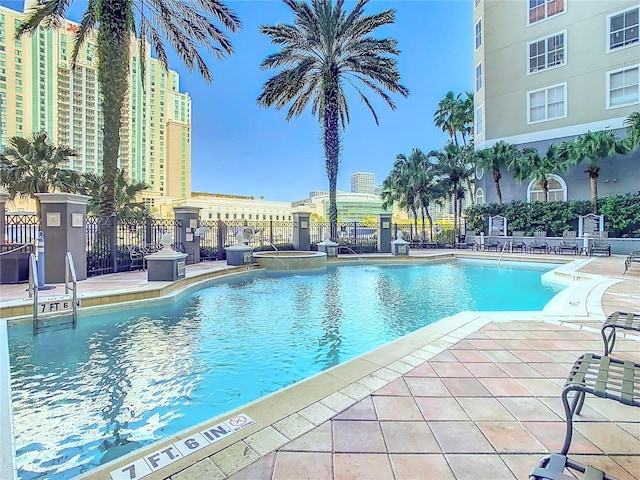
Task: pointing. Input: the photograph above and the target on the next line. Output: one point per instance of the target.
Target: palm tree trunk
(593, 177)
(430, 223)
(332, 154)
(424, 232)
(113, 72)
(455, 214)
(545, 189)
(472, 192)
(496, 181)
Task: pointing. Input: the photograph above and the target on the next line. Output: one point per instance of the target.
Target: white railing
(33, 289)
(70, 271)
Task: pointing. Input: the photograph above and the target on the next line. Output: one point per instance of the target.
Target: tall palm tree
(187, 26)
(496, 158)
(446, 114)
(324, 50)
(34, 165)
(593, 147)
(632, 122)
(453, 169)
(529, 164)
(398, 190)
(127, 192)
(464, 117)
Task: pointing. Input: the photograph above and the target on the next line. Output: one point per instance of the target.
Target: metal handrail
(33, 289)
(504, 247)
(70, 271)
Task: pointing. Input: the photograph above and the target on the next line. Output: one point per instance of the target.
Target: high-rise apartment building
(40, 91)
(548, 70)
(363, 182)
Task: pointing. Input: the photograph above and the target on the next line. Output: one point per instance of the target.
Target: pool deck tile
(476, 395)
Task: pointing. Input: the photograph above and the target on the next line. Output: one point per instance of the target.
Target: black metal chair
(552, 467)
(539, 243)
(136, 257)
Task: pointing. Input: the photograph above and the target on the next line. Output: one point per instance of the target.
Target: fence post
(147, 230)
(222, 233)
(113, 242)
(271, 231)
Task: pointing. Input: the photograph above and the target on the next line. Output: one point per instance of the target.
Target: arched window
(557, 190)
(479, 172)
(479, 196)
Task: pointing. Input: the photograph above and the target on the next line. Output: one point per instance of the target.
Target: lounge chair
(539, 243)
(634, 257)
(568, 243)
(517, 242)
(552, 467)
(136, 257)
(600, 244)
(469, 241)
(491, 244)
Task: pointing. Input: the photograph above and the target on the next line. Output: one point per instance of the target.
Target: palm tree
(33, 165)
(464, 117)
(632, 122)
(398, 190)
(453, 169)
(593, 147)
(529, 164)
(187, 26)
(126, 205)
(446, 114)
(325, 49)
(496, 158)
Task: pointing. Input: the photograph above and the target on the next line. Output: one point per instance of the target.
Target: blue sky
(241, 148)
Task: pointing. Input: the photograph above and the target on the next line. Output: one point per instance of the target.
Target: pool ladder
(70, 284)
(506, 244)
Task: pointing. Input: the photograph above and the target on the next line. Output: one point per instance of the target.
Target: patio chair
(491, 244)
(469, 241)
(539, 243)
(136, 257)
(517, 242)
(552, 467)
(179, 247)
(634, 257)
(600, 244)
(568, 243)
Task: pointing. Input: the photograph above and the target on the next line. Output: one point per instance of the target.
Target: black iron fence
(108, 238)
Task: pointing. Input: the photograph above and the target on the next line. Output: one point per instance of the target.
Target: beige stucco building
(40, 91)
(548, 70)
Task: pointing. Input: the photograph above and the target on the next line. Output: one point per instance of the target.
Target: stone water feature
(290, 260)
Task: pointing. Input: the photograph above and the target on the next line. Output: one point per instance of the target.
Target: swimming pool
(123, 380)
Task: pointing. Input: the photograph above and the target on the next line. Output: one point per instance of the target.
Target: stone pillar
(384, 235)
(63, 222)
(3, 205)
(190, 230)
(301, 235)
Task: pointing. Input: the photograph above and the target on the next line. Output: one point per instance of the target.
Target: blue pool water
(123, 380)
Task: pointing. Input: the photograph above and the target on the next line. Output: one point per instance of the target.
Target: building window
(479, 196)
(623, 28)
(478, 77)
(546, 53)
(478, 34)
(557, 188)
(547, 103)
(622, 87)
(542, 9)
(479, 128)
(477, 2)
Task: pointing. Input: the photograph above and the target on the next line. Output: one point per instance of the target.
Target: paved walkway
(475, 396)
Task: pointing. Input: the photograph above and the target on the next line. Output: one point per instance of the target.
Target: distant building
(39, 91)
(548, 70)
(363, 182)
(217, 206)
(352, 207)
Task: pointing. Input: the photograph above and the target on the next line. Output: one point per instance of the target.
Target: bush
(622, 215)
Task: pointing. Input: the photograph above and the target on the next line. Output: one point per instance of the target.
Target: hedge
(622, 215)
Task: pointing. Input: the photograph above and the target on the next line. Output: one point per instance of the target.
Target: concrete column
(301, 235)
(63, 222)
(190, 230)
(384, 233)
(3, 205)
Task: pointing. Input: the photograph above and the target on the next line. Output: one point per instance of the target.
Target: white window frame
(479, 196)
(615, 14)
(479, 120)
(479, 172)
(478, 80)
(551, 176)
(546, 16)
(608, 82)
(546, 53)
(478, 34)
(546, 119)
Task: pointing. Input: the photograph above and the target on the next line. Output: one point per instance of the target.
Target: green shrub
(622, 215)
